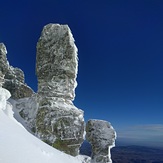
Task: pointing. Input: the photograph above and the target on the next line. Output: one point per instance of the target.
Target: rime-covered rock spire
(58, 122)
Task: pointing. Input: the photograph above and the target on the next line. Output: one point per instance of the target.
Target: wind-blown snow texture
(17, 145)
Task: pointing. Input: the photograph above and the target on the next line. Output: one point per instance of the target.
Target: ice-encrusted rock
(25, 111)
(12, 78)
(4, 65)
(58, 122)
(101, 135)
(14, 82)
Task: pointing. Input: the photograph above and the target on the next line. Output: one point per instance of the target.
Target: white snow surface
(17, 145)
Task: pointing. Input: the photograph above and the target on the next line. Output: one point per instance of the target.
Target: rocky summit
(58, 122)
(101, 135)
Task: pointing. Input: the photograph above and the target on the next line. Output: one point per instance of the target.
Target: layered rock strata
(58, 122)
(101, 135)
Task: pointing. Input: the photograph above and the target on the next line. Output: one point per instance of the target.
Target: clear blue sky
(120, 47)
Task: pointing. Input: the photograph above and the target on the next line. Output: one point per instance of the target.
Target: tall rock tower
(58, 122)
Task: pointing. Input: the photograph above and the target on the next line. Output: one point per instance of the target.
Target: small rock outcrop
(101, 135)
(12, 78)
(14, 82)
(4, 65)
(58, 122)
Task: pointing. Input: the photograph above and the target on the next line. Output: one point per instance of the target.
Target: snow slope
(17, 145)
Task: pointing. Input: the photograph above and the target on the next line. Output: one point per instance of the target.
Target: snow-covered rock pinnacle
(101, 135)
(58, 122)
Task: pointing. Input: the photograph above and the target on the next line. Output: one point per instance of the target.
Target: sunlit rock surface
(58, 122)
(101, 135)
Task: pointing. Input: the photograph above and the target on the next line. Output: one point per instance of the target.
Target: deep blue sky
(120, 47)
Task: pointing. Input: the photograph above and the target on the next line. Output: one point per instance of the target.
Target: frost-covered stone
(101, 135)
(25, 112)
(4, 65)
(12, 78)
(58, 122)
(14, 82)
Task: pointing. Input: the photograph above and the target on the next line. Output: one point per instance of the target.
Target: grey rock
(101, 135)
(58, 122)
(4, 65)
(12, 78)
(14, 82)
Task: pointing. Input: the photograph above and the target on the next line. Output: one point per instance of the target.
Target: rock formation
(4, 65)
(50, 114)
(58, 122)
(12, 78)
(101, 135)
(14, 82)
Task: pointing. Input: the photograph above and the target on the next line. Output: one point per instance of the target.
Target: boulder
(101, 135)
(58, 122)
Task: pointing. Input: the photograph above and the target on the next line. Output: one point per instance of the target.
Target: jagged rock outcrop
(58, 122)
(12, 78)
(4, 65)
(101, 135)
(14, 82)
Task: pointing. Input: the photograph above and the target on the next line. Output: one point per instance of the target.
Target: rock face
(14, 82)
(58, 122)
(4, 65)
(101, 135)
(12, 78)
